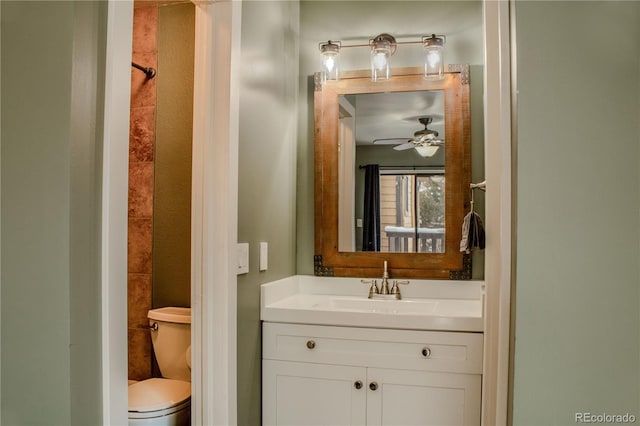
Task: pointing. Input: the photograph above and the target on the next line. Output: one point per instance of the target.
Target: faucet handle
(374, 287)
(395, 289)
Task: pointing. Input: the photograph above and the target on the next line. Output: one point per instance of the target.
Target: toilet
(166, 401)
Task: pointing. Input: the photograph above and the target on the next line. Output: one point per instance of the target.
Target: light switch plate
(243, 258)
(264, 256)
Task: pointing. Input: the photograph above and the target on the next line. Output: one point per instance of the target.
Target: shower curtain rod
(427, 168)
(149, 72)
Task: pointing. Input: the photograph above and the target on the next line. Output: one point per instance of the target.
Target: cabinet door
(404, 397)
(300, 394)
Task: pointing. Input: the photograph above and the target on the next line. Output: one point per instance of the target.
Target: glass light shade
(380, 54)
(330, 69)
(427, 150)
(433, 57)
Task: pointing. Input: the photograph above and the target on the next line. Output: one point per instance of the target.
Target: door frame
(214, 212)
(214, 222)
(213, 273)
(499, 259)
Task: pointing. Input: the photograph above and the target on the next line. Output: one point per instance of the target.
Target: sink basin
(340, 301)
(406, 306)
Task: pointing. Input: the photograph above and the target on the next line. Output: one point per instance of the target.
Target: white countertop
(425, 304)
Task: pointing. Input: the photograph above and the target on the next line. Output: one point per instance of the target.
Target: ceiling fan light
(329, 53)
(426, 150)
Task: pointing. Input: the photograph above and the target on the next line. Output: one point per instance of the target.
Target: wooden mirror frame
(452, 264)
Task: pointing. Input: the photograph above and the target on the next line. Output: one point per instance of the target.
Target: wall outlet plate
(264, 256)
(243, 258)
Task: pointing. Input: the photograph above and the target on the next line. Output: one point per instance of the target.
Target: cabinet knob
(358, 384)
(311, 344)
(373, 386)
(426, 352)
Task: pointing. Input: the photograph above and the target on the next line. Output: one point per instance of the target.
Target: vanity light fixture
(382, 48)
(330, 66)
(433, 60)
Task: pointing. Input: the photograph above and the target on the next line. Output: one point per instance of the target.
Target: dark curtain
(371, 216)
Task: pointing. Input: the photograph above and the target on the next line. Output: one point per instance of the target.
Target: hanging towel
(464, 242)
(472, 233)
(476, 232)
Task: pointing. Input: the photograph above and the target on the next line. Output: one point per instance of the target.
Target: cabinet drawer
(383, 348)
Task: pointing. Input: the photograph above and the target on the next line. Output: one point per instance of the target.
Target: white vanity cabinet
(325, 375)
(298, 393)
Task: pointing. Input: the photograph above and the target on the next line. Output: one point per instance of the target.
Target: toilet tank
(171, 338)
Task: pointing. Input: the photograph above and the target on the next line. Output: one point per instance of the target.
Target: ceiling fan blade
(404, 146)
(390, 141)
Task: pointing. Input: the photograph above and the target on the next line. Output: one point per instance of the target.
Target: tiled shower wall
(141, 185)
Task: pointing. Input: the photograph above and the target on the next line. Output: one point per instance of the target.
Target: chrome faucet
(384, 292)
(384, 286)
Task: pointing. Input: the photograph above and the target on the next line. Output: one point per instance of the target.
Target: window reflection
(412, 213)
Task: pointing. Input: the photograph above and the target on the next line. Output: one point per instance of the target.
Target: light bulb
(329, 63)
(434, 59)
(380, 61)
(380, 64)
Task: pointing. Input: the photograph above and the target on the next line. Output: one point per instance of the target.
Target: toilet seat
(158, 397)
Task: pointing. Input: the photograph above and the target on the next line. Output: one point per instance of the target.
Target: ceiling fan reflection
(424, 141)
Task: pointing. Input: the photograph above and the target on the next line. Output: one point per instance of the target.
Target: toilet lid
(157, 394)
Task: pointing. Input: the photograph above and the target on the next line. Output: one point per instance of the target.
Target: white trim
(115, 161)
(214, 213)
(498, 261)
(214, 207)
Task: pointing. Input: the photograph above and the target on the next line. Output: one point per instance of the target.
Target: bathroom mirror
(416, 135)
(409, 211)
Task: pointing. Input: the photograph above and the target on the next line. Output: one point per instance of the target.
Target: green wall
(172, 177)
(267, 174)
(577, 300)
(358, 21)
(51, 86)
